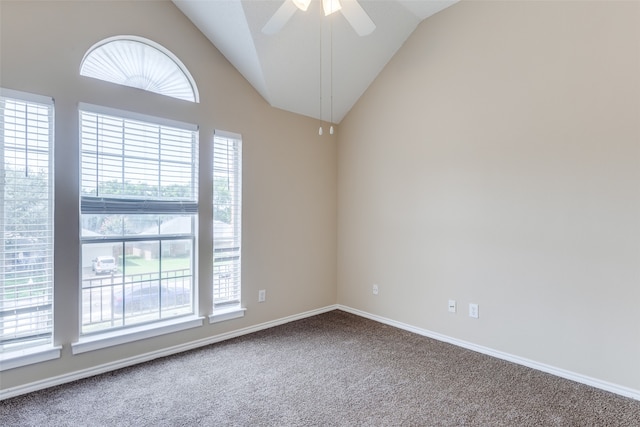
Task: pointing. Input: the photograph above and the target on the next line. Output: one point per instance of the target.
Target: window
(139, 207)
(26, 220)
(227, 214)
(140, 63)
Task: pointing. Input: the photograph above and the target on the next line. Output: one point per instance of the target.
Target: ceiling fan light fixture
(303, 5)
(330, 6)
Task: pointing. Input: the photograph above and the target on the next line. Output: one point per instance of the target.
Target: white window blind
(140, 63)
(227, 215)
(132, 165)
(26, 220)
(139, 205)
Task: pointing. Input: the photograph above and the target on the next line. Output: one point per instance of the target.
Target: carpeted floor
(335, 369)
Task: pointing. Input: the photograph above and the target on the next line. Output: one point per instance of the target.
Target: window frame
(231, 169)
(128, 206)
(109, 68)
(39, 346)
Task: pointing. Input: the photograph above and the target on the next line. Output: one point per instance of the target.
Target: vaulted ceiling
(315, 65)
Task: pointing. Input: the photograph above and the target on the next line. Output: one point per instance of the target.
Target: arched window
(140, 63)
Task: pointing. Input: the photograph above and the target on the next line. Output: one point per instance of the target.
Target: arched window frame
(153, 45)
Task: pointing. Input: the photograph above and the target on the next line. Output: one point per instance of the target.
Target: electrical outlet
(262, 295)
(452, 306)
(375, 289)
(473, 311)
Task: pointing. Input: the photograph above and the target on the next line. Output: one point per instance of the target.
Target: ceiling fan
(351, 10)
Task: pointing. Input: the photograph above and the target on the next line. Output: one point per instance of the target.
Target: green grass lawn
(137, 265)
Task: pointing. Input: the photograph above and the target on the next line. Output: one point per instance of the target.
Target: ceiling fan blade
(357, 17)
(280, 18)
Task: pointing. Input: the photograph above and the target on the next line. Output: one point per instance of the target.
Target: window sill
(221, 315)
(29, 356)
(124, 336)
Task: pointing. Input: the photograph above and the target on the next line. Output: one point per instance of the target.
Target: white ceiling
(285, 67)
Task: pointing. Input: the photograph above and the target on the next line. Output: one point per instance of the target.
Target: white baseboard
(123, 363)
(100, 369)
(593, 382)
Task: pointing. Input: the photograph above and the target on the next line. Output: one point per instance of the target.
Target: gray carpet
(335, 369)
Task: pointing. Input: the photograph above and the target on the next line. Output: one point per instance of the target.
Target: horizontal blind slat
(227, 177)
(139, 206)
(26, 222)
(96, 205)
(124, 157)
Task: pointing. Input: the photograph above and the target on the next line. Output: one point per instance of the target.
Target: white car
(104, 264)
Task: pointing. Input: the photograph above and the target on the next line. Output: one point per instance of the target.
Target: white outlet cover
(375, 289)
(473, 311)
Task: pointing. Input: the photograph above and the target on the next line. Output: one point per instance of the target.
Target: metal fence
(117, 299)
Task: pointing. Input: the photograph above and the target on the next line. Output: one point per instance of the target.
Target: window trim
(224, 314)
(110, 338)
(92, 205)
(157, 46)
(132, 115)
(29, 356)
(232, 309)
(38, 349)
(27, 96)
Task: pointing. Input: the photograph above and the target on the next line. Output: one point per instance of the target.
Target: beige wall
(496, 160)
(289, 173)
